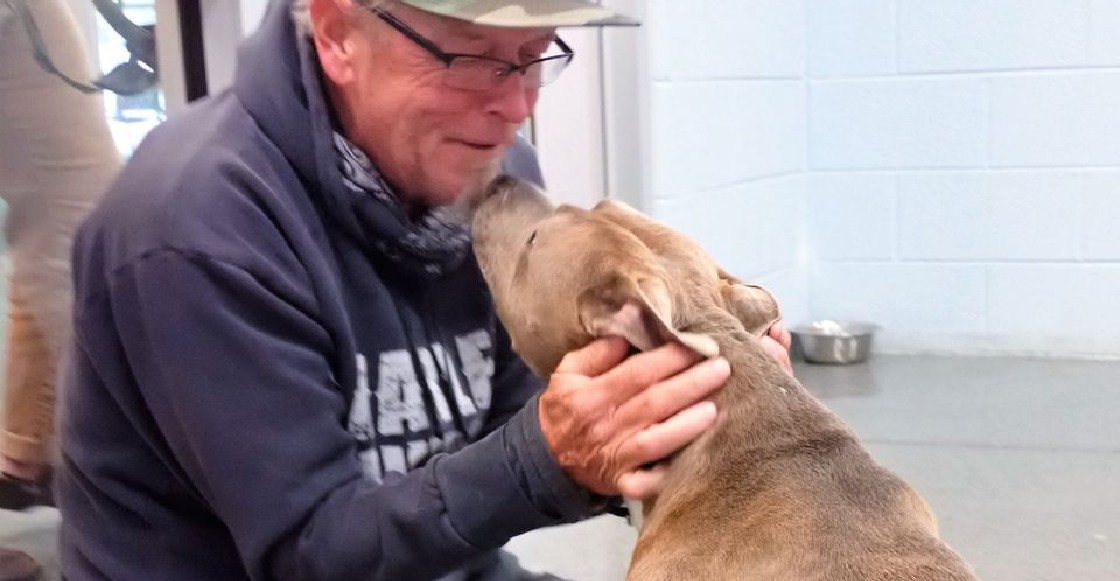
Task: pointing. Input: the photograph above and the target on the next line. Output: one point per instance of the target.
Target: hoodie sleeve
(521, 161)
(234, 369)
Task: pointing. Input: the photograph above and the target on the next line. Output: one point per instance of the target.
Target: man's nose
(514, 98)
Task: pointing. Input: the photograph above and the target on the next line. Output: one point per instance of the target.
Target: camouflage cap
(525, 13)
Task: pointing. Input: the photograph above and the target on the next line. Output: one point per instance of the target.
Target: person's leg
(29, 409)
(504, 566)
(57, 156)
(499, 565)
(48, 137)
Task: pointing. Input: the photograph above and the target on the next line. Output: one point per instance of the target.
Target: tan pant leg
(57, 157)
(29, 413)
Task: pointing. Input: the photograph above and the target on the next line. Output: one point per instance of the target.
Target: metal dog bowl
(837, 342)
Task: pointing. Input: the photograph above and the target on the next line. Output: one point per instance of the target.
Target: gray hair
(301, 13)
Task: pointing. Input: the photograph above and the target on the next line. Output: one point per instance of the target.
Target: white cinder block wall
(949, 169)
(727, 144)
(964, 172)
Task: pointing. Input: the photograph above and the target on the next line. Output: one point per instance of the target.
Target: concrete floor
(1019, 458)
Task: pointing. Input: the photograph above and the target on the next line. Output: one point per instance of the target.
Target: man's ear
(334, 40)
(638, 311)
(753, 305)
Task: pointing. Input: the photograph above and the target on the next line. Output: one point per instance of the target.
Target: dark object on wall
(194, 58)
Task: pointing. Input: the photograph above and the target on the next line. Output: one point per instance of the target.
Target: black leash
(131, 77)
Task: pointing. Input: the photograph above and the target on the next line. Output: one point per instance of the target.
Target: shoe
(20, 494)
(18, 566)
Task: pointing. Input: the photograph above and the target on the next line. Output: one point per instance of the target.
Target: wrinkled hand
(604, 418)
(776, 343)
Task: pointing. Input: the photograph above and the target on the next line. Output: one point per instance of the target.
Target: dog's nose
(500, 184)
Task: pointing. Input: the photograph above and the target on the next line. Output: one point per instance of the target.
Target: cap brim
(527, 13)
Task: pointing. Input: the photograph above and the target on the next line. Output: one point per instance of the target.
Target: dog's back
(781, 489)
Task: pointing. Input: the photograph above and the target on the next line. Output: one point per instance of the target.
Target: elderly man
(287, 365)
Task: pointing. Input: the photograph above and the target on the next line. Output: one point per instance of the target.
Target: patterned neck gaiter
(431, 244)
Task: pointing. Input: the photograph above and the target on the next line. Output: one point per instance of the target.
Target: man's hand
(604, 418)
(776, 343)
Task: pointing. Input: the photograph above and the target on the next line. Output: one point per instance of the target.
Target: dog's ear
(753, 305)
(640, 311)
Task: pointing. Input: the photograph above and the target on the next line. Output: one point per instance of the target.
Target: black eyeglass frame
(447, 58)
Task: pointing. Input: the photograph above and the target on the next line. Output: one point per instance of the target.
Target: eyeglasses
(475, 72)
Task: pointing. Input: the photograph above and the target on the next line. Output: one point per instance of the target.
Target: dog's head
(561, 276)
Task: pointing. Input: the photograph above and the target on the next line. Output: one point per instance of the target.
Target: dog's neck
(760, 396)
(762, 409)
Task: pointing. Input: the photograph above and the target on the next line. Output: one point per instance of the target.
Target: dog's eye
(532, 237)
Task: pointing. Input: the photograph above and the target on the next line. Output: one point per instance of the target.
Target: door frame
(591, 127)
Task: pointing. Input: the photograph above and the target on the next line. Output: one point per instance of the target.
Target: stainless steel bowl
(837, 342)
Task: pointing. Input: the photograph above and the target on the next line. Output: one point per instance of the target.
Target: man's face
(433, 143)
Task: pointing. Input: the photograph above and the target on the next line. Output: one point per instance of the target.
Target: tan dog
(780, 488)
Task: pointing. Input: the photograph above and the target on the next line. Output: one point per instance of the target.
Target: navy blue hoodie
(256, 391)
